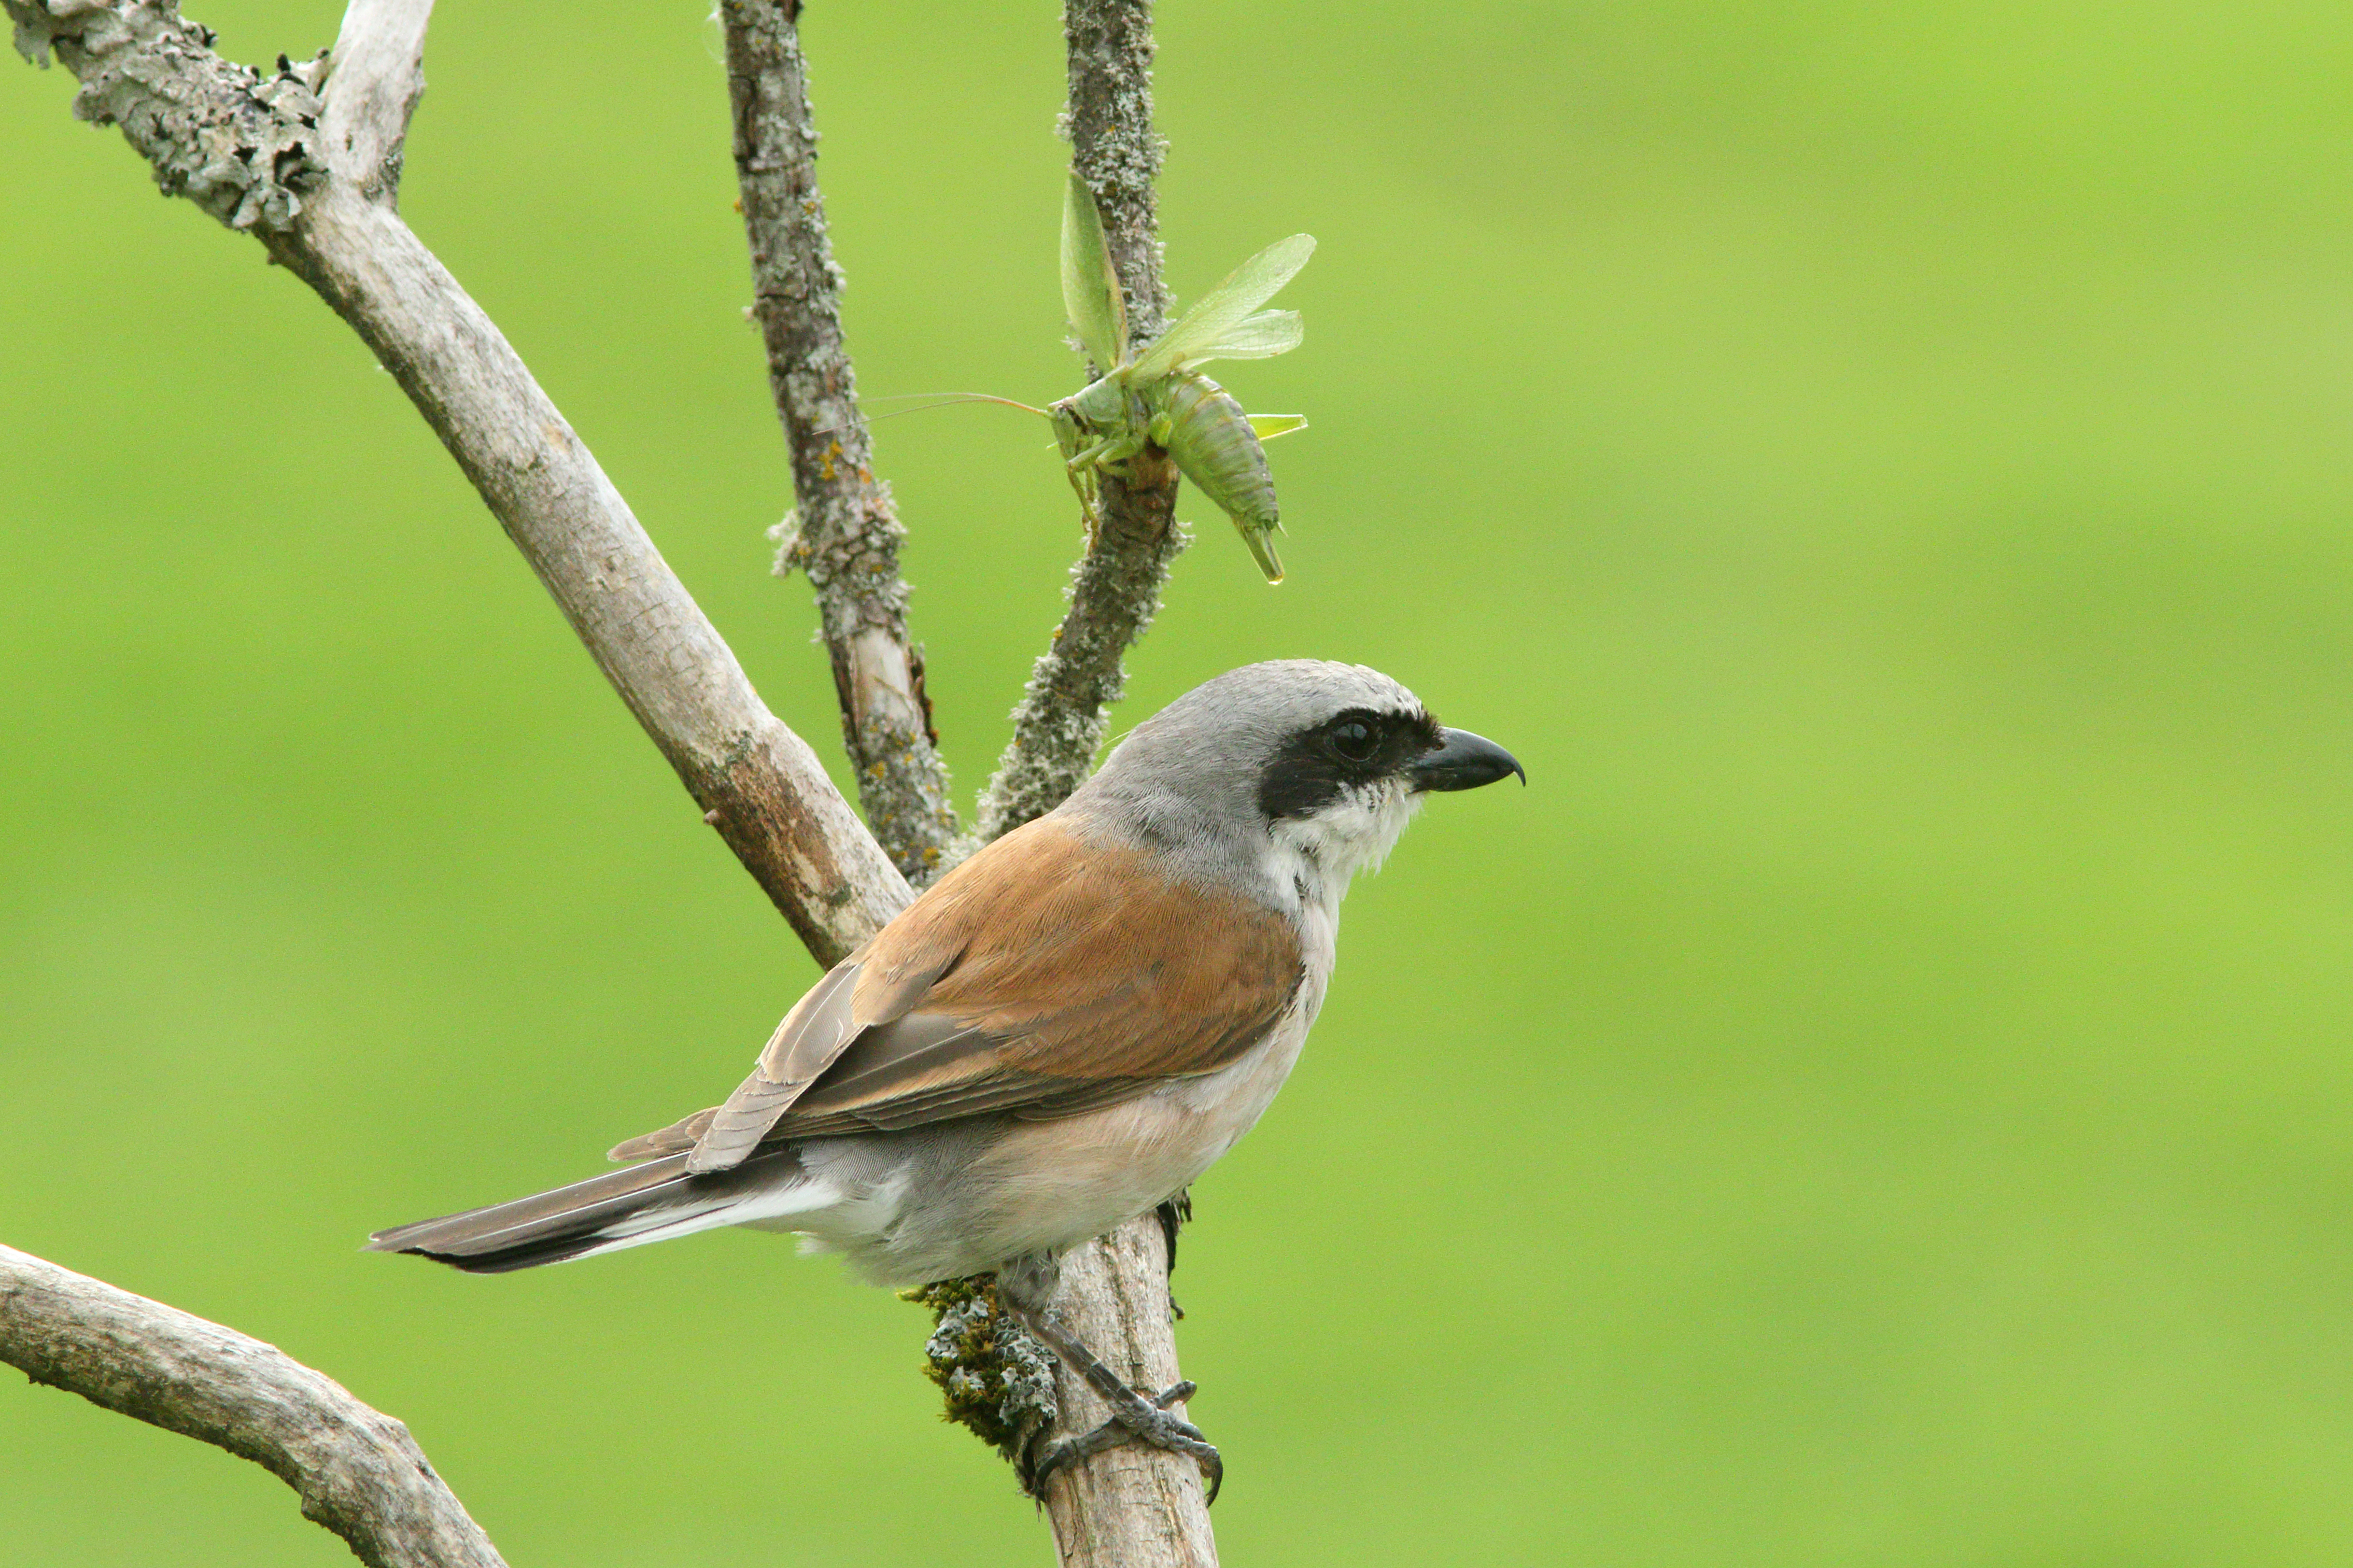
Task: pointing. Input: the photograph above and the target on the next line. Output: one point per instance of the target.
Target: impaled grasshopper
(1157, 397)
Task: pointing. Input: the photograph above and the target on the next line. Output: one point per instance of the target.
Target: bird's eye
(1354, 740)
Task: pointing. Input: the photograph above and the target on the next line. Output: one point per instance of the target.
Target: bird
(1059, 1035)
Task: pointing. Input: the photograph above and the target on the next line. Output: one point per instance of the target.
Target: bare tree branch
(375, 75)
(1115, 587)
(358, 1470)
(758, 783)
(1130, 1507)
(1065, 709)
(1108, 122)
(847, 534)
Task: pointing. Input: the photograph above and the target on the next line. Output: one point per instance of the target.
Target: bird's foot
(1140, 1421)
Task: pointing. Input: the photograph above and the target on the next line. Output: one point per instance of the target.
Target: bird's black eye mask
(1315, 767)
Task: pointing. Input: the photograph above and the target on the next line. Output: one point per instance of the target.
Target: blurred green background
(1880, 1097)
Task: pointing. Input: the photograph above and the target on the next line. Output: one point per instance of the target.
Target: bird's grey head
(1295, 759)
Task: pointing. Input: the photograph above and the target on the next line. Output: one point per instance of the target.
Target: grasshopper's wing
(1227, 316)
(1090, 293)
(1262, 336)
(1267, 426)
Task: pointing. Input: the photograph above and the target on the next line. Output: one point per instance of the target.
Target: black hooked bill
(1462, 761)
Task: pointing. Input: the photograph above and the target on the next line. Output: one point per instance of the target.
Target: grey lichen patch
(786, 537)
(995, 1379)
(1108, 122)
(240, 145)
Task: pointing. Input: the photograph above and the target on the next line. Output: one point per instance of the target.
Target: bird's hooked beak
(1462, 761)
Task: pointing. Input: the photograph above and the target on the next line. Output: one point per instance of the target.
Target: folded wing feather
(1043, 977)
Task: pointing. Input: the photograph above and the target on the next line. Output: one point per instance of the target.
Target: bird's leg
(1133, 1416)
(1025, 1286)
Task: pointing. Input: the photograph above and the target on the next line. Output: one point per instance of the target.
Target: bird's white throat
(1311, 858)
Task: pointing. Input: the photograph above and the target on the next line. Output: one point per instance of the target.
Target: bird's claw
(1147, 1422)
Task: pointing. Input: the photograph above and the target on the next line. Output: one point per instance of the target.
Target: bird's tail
(651, 1202)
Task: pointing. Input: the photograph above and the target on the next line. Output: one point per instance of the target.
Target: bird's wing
(1044, 976)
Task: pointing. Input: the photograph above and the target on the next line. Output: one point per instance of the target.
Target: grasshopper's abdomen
(1211, 439)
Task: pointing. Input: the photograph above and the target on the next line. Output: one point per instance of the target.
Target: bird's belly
(1086, 1175)
(1048, 1185)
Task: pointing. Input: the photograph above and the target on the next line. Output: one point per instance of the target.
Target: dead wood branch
(358, 1471)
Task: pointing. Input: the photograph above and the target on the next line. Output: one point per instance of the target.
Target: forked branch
(375, 74)
(309, 159)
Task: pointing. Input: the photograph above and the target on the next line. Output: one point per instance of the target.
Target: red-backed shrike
(1060, 1034)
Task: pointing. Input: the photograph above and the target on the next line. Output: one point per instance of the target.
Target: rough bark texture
(358, 1471)
(243, 146)
(844, 534)
(1108, 123)
(1115, 587)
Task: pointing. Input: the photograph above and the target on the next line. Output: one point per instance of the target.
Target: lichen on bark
(242, 145)
(1116, 585)
(994, 1378)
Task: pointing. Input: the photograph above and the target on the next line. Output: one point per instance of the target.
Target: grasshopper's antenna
(946, 400)
(938, 400)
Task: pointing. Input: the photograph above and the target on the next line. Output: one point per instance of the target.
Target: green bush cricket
(1159, 397)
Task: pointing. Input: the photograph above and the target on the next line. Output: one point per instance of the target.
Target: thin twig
(1108, 123)
(1115, 587)
(845, 534)
(373, 76)
(358, 1470)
